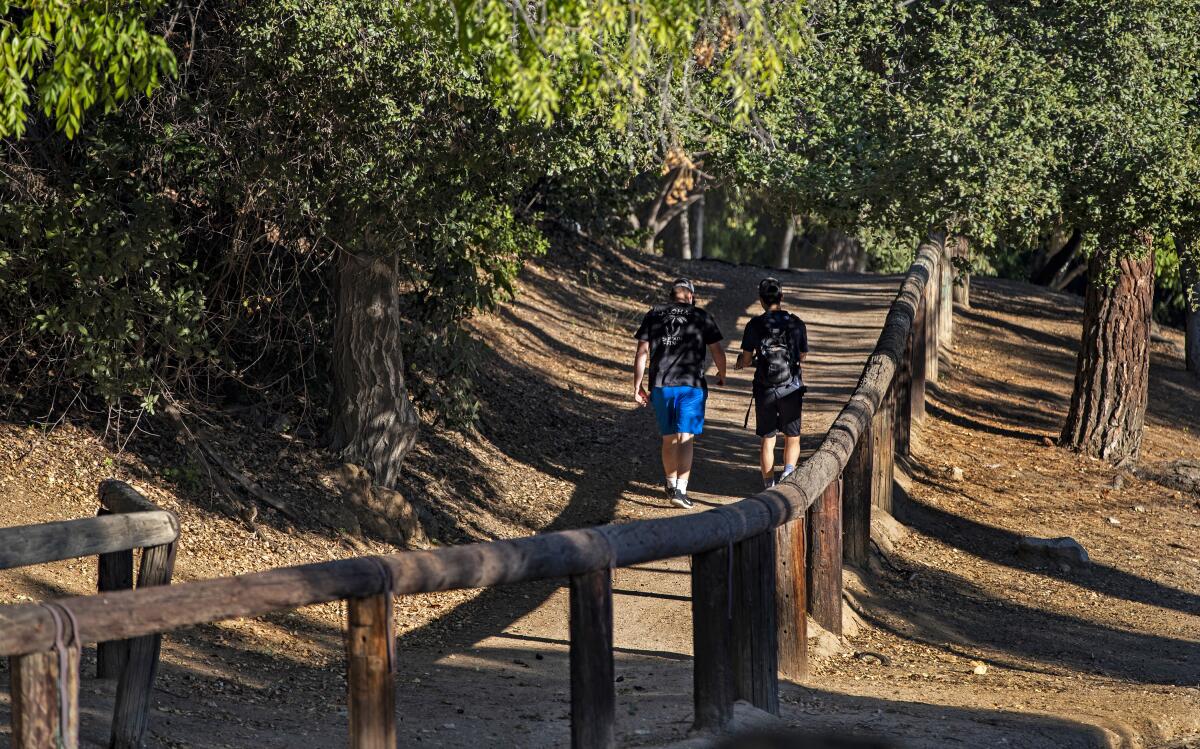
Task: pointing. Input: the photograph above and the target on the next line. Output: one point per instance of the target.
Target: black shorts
(775, 413)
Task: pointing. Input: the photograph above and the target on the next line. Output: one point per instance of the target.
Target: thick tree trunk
(843, 253)
(962, 279)
(373, 422)
(1192, 354)
(698, 229)
(1108, 407)
(1056, 260)
(785, 247)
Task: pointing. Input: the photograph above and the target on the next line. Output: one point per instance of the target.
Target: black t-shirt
(796, 335)
(678, 334)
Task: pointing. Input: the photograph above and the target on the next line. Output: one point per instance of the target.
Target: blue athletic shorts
(679, 409)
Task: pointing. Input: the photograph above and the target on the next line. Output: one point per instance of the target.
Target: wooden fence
(45, 684)
(758, 565)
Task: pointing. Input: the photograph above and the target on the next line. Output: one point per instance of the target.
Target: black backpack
(775, 355)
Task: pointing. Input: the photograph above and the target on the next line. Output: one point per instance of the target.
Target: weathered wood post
(791, 599)
(825, 559)
(132, 709)
(371, 677)
(36, 698)
(902, 387)
(883, 433)
(712, 638)
(593, 695)
(919, 363)
(857, 484)
(946, 305)
(755, 641)
(933, 304)
(115, 573)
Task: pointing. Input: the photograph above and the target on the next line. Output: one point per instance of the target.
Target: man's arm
(718, 355)
(745, 359)
(640, 396)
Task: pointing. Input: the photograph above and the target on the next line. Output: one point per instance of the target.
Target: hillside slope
(1073, 657)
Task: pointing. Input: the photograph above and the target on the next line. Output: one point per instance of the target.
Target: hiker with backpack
(673, 338)
(776, 342)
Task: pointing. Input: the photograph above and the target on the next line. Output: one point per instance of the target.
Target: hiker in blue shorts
(673, 338)
(776, 342)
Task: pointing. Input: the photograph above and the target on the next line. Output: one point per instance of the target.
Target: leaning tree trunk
(1108, 407)
(374, 423)
(1192, 353)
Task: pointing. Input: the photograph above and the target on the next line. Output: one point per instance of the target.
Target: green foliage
(192, 237)
(70, 57)
(94, 284)
(550, 56)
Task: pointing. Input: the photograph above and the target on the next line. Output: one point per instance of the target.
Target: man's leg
(683, 459)
(790, 408)
(791, 452)
(766, 458)
(669, 451)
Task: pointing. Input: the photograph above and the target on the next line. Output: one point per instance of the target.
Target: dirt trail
(1096, 657)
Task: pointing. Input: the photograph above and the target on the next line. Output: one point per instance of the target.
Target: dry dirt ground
(1095, 656)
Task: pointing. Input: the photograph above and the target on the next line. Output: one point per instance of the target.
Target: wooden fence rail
(45, 682)
(757, 565)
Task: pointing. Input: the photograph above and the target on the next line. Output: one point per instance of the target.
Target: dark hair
(770, 291)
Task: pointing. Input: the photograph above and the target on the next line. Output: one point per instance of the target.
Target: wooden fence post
(857, 482)
(825, 558)
(791, 599)
(920, 363)
(712, 676)
(933, 306)
(883, 434)
(132, 709)
(755, 643)
(115, 573)
(946, 308)
(902, 385)
(36, 697)
(371, 677)
(593, 695)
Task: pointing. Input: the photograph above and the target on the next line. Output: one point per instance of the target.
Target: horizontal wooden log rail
(734, 549)
(125, 521)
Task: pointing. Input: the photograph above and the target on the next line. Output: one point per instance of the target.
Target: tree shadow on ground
(998, 545)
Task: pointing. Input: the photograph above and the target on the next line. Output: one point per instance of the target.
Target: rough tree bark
(785, 247)
(1056, 259)
(698, 229)
(374, 423)
(1193, 334)
(1108, 406)
(961, 248)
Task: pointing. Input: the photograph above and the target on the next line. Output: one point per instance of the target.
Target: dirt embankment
(981, 647)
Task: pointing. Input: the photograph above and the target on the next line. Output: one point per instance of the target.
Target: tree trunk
(1056, 260)
(1193, 333)
(785, 247)
(373, 422)
(698, 229)
(962, 279)
(685, 236)
(1108, 406)
(842, 251)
